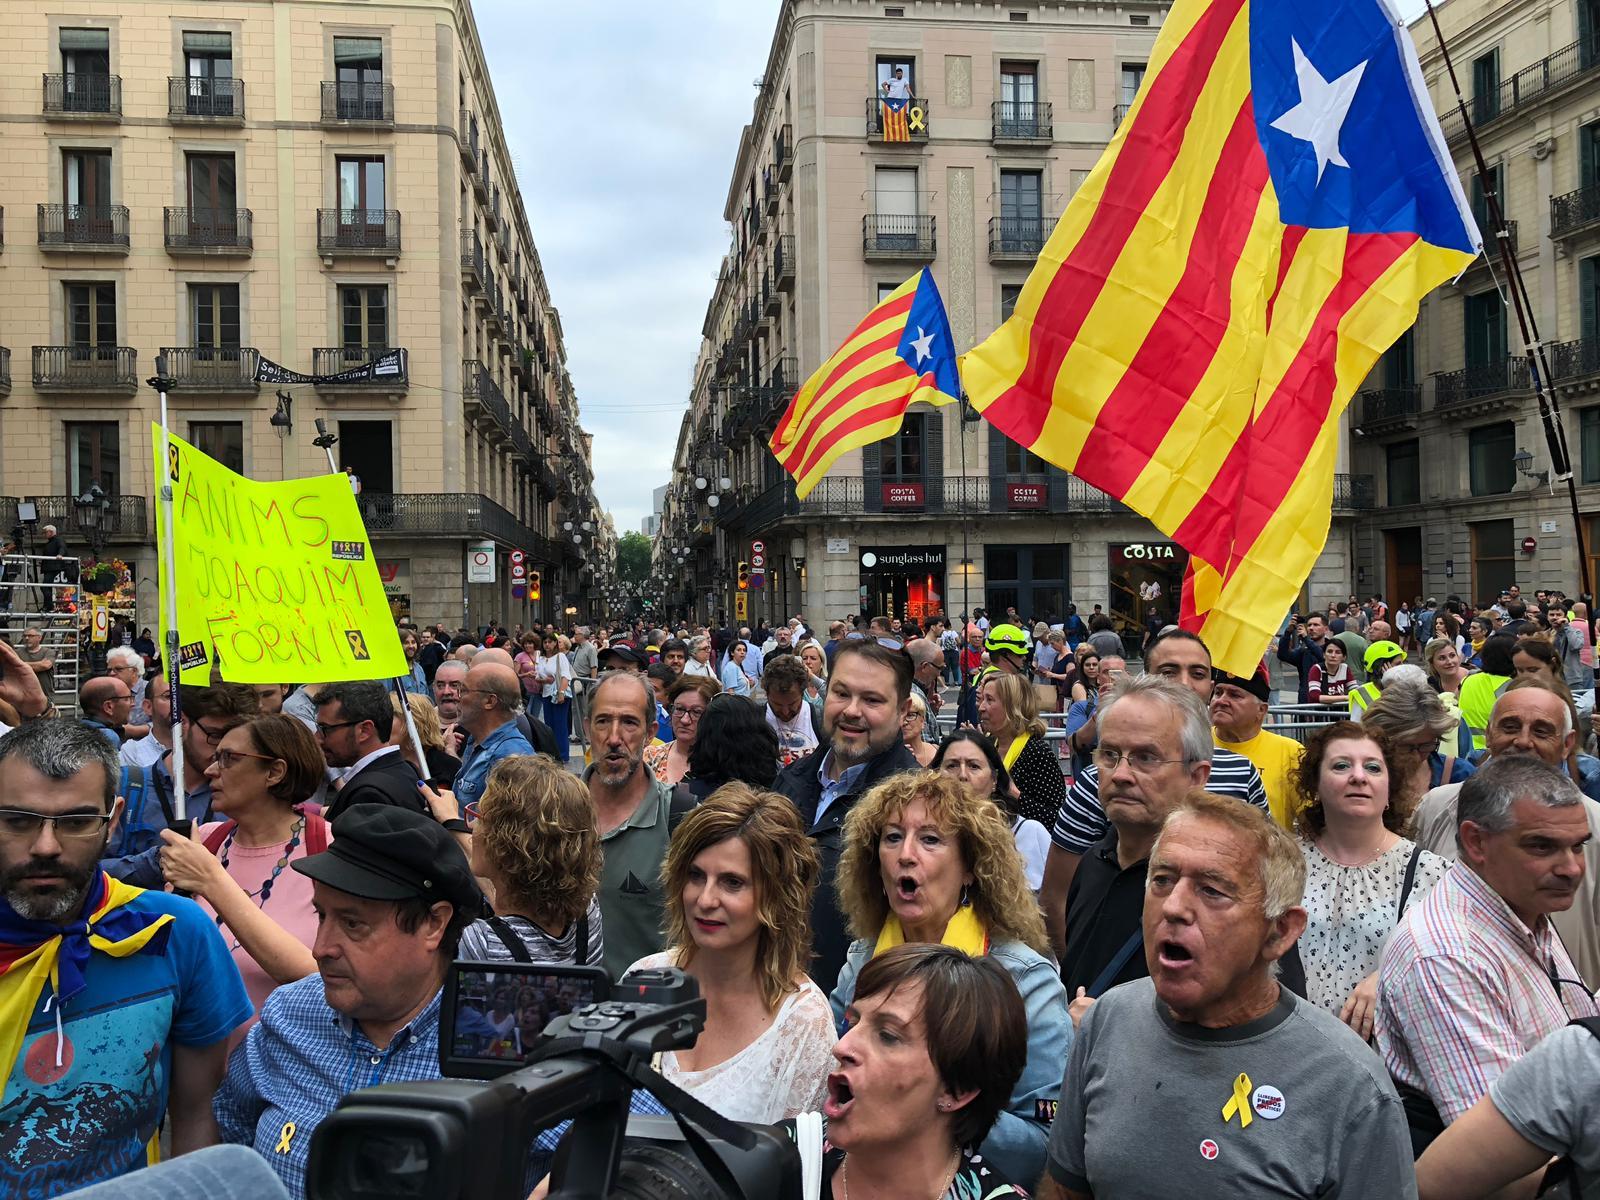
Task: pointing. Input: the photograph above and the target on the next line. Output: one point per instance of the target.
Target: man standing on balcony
(897, 88)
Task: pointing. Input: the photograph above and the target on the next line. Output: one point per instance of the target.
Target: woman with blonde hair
(536, 842)
(738, 879)
(911, 726)
(1418, 724)
(1008, 711)
(927, 859)
(1446, 671)
(440, 766)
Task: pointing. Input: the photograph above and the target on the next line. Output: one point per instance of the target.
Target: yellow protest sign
(276, 582)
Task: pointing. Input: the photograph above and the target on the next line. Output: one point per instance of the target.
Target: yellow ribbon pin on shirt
(285, 1136)
(1239, 1103)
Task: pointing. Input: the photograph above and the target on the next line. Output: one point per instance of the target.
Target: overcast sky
(623, 120)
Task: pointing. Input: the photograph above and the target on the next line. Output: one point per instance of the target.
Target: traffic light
(744, 577)
(533, 585)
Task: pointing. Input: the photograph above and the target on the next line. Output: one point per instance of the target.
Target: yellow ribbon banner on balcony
(276, 582)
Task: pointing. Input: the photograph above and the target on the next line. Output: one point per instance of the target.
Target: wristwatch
(49, 710)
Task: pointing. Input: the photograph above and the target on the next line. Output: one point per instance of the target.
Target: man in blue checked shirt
(392, 892)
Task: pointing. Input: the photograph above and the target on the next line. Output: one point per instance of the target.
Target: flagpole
(324, 441)
(162, 382)
(1527, 323)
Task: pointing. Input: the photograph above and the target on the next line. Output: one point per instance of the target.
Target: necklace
(944, 1188)
(1368, 857)
(265, 890)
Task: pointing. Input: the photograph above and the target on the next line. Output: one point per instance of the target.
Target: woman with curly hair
(738, 880)
(1008, 711)
(927, 859)
(1362, 873)
(537, 845)
(734, 744)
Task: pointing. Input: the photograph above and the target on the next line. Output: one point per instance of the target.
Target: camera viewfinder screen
(501, 1015)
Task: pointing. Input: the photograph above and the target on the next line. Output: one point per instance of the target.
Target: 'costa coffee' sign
(903, 495)
(1025, 495)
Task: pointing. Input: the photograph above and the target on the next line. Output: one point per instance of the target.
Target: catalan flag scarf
(964, 932)
(32, 952)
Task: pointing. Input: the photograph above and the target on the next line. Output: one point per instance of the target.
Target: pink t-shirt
(289, 905)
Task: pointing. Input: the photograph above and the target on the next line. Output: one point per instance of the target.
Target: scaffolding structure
(41, 592)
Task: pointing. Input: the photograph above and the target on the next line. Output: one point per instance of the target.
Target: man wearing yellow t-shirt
(1238, 707)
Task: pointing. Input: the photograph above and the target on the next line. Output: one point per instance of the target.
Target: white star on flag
(921, 344)
(1320, 115)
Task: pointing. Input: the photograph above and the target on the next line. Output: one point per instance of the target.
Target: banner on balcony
(387, 365)
(276, 582)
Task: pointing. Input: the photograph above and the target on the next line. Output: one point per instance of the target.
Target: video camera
(525, 1046)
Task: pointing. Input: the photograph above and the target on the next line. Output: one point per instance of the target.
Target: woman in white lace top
(738, 880)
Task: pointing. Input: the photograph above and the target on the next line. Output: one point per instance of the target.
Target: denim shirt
(1016, 1144)
(478, 757)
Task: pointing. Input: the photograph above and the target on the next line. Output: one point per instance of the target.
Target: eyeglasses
(1141, 761)
(19, 823)
(212, 736)
(325, 730)
(1420, 749)
(228, 759)
(687, 714)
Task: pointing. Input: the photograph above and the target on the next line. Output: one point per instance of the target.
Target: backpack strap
(1118, 961)
(131, 787)
(581, 949)
(1410, 880)
(509, 939)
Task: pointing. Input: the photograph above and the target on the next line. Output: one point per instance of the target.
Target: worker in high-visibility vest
(1480, 689)
(1380, 656)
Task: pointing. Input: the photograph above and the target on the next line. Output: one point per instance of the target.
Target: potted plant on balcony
(101, 578)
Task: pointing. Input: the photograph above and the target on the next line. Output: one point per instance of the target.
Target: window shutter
(1587, 137)
(939, 492)
(1586, 286)
(85, 39)
(356, 49)
(207, 43)
(872, 478)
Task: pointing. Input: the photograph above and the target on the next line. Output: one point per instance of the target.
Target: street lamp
(91, 510)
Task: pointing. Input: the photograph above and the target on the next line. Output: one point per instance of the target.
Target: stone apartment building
(316, 184)
(1448, 422)
(1012, 104)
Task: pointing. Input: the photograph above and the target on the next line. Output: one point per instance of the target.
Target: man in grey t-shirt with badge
(1209, 1078)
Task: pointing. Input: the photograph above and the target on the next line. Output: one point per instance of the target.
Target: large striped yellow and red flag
(1260, 229)
(901, 352)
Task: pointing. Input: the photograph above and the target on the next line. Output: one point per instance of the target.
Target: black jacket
(388, 780)
(798, 781)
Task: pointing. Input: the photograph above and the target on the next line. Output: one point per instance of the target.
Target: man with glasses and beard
(354, 721)
(115, 1003)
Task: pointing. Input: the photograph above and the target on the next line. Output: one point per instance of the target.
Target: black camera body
(470, 1134)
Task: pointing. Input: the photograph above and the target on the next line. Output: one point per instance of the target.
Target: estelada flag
(894, 112)
(901, 352)
(1258, 232)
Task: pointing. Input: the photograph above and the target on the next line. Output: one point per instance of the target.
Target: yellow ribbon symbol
(915, 117)
(285, 1136)
(1240, 1103)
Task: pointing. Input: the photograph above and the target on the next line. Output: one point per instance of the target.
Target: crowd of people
(1100, 922)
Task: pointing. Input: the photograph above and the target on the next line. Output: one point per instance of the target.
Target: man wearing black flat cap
(620, 656)
(1238, 710)
(393, 892)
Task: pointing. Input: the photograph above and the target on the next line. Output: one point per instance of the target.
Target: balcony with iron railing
(101, 369)
(212, 368)
(1119, 114)
(122, 518)
(92, 228)
(331, 360)
(474, 272)
(445, 514)
(1013, 239)
(352, 102)
(783, 152)
(85, 96)
(5, 371)
(468, 143)
(1575, 212)
(906, 127)
(1388, 407)
(1354, 493)
(482, 394)
(893, 236)
(1543, 80)
(215, 232)
(358, 231)
(771, 192)
(1575, 361)
(1021, 123)
(205, 100)
(783, 262)
(1490, 382)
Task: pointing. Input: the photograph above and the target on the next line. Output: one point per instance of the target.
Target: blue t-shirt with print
(65, 1126)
